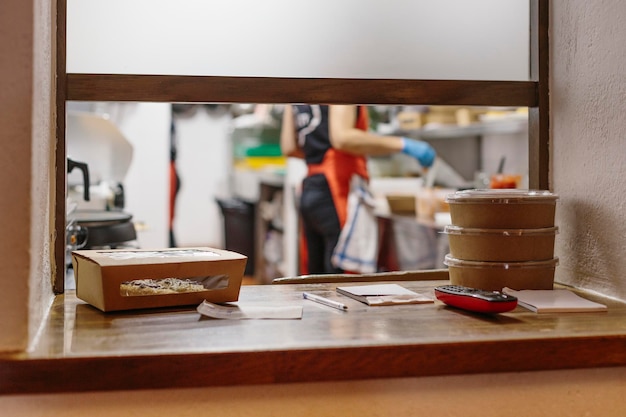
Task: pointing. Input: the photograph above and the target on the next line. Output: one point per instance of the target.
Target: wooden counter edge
(419, 275)
(19, 375)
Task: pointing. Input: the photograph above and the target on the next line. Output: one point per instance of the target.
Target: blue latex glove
(419, 150)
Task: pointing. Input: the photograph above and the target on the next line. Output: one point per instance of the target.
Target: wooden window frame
(533, 94)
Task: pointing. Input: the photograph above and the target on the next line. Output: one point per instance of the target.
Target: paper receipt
(241, 312)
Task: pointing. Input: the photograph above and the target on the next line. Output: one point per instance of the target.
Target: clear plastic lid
(458, 230)
(501, 196)
(451, 261)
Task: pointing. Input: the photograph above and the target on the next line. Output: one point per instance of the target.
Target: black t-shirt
(311, 123)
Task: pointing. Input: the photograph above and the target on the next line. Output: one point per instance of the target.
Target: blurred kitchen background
(213, 175)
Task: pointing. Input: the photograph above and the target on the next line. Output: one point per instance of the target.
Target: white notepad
(384, 294)
(554, 301)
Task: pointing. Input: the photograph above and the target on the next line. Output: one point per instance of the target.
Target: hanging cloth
(357, 247)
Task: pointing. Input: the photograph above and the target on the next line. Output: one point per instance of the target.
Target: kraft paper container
(493, 276)
(502, 208)
(401, 204)
(504, 245)
(126, 279)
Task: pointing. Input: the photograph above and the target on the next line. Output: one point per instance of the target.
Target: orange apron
(338, 167)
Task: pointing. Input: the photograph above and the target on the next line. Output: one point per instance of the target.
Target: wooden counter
(82, 349)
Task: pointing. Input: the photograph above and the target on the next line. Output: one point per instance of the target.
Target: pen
(325, 301)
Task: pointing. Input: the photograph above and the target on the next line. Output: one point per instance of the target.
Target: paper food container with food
(126, 279)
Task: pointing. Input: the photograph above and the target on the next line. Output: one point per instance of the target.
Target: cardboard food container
(503, 245)
(126, 279)
(502, 208)
(493, 276)
(401, 204)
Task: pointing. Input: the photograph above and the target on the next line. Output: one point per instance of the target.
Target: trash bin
(239, 227)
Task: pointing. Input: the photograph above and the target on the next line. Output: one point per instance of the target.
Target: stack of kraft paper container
(502, 238)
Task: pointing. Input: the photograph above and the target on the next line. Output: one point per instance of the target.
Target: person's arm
(345, 136)
(288, 138)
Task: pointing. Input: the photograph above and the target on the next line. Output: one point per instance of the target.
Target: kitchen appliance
(95, 200)
(75, 235)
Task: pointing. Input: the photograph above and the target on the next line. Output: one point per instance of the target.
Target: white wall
(146, 126)
(588, 99)
(26, 129)
(204, 163)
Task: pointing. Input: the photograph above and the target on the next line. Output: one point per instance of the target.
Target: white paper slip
(554, 301)
(239, 312)
(384, 295)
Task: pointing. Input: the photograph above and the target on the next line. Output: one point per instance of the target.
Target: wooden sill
(83, 349)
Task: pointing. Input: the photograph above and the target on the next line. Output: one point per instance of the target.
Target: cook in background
(334, 141)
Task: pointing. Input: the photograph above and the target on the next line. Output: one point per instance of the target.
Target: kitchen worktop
(83, 349)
